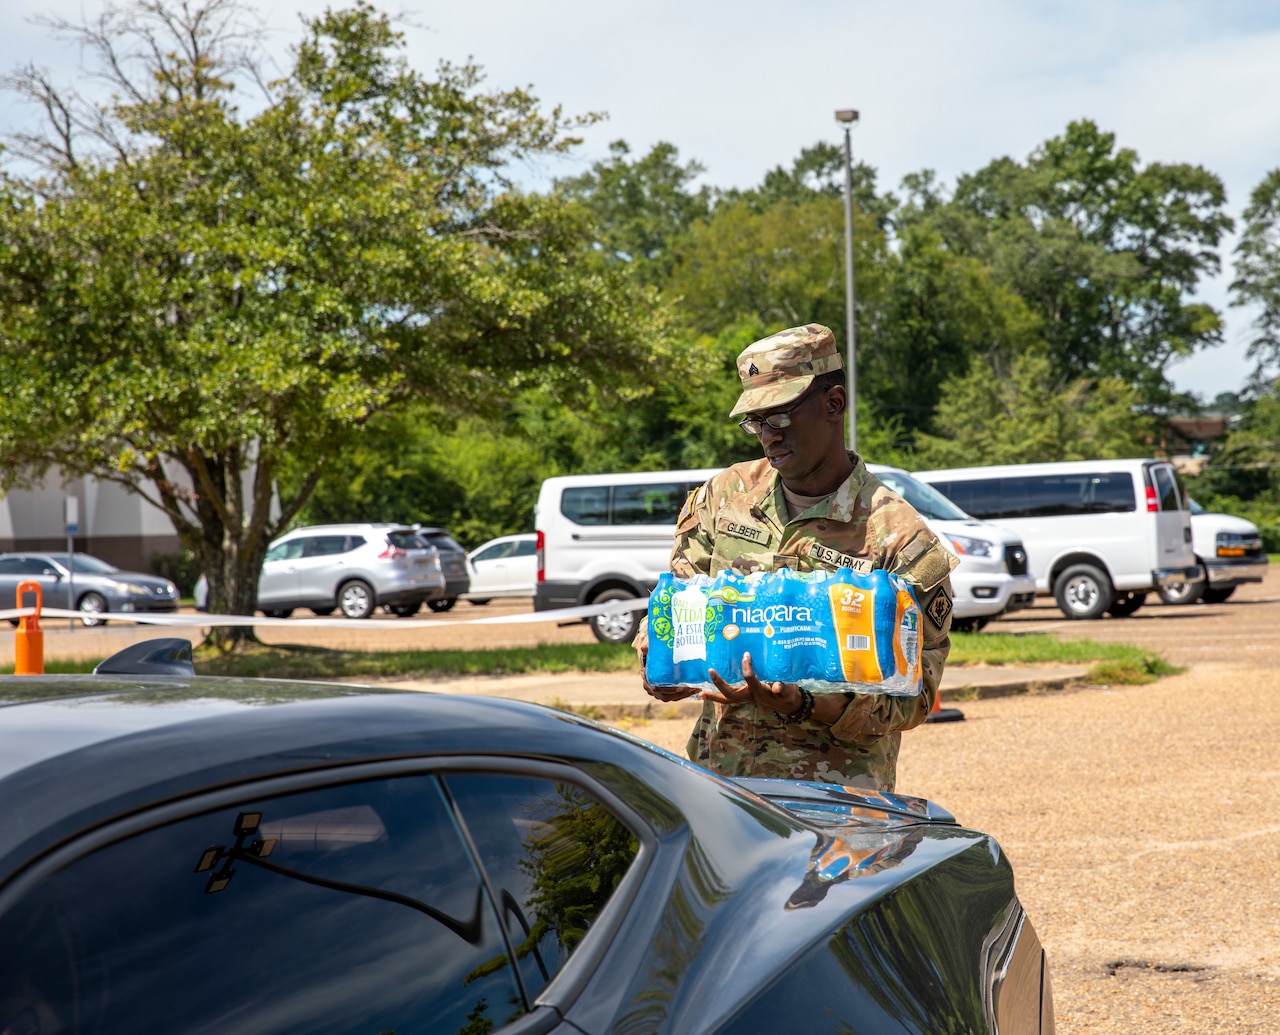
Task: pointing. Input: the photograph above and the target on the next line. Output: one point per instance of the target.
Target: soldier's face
(803, 447)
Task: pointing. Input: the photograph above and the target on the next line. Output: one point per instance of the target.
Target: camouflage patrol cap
(778, 369)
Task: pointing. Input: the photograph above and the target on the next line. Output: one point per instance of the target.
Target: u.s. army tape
(203, 619)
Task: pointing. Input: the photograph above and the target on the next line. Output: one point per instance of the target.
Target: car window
(25, 566)
(1166, 488)
(525, 548)
(290, 550)
(927, 501)
(406, 540)
(553, 855)
(442, 541)
(84, 564)
(348, 909)
(495, 552)
(325, 545)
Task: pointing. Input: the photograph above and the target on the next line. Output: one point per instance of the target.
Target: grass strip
(1114, 662)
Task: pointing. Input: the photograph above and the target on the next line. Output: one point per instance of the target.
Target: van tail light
(541, 548)
(1153, 504)
(392, 553)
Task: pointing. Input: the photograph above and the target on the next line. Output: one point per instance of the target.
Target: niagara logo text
(776, 613)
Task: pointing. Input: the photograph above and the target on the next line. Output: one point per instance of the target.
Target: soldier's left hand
(783, 698)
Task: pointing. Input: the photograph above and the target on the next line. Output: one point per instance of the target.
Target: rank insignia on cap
(939, 607)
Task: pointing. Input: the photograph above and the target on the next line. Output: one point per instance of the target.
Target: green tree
(641, 206)
(1257, 280)
(201, 304)
(1105, 250)
(1026, 413)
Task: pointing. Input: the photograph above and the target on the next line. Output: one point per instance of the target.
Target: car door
(524, 568)
(41, 570)
(386, 903)
(320, 567)
(490, 572)
(278, 583)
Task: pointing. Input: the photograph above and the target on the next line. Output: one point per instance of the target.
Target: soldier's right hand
(663, 693)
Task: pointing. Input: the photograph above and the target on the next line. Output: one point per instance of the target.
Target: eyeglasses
(779, 420)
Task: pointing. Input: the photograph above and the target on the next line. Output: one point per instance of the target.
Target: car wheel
(323, 612)
(615, 628)
(404, 610)
(443, 604)
(91, 605)
(277, 612)
(1181, 592)
(356, 600)
(1126, 603)
(1082, 592)
(969, 625)
(1217, 596)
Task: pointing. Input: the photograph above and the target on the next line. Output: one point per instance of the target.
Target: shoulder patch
(925, 563)
(939, 607)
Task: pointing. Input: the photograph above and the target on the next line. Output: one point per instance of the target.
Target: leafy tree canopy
(1257, 280)
(195, 302)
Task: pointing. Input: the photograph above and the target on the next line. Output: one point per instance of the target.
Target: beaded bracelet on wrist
(806, 707)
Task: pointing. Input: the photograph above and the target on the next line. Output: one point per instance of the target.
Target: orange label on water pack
(853, 612)
(906, 644)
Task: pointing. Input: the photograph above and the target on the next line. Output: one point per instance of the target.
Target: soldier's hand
(663, 693)
(783, 698)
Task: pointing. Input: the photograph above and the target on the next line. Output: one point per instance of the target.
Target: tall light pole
(847, 117)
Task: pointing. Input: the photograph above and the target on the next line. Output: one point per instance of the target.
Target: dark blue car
(191, 855)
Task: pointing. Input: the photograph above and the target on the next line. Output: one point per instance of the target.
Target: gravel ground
(1140, 820)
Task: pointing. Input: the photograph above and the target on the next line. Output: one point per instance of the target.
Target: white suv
(352, 568)
(992, 578)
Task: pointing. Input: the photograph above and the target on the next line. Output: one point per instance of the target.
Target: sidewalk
(615, 695)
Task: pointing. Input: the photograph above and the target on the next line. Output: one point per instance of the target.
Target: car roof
(81, 750)
(1054, 467)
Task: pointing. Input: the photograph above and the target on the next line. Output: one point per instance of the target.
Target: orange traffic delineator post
(28, 646)
(941, 714)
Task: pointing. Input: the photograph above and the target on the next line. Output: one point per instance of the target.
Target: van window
(1053, 495)
(586, 505)
(656, 503)
(1166, 488)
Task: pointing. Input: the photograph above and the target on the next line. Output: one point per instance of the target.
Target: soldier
(806, 505)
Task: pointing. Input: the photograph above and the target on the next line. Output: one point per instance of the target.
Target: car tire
(356, 599)
(405, 610)
(91, 605)
(1126, 603)
(1181, 592)
(619, 628)
(323, 612)
(277, 612)
(1220, 595)
(1083, 592)
(969, 625)
(443, 604)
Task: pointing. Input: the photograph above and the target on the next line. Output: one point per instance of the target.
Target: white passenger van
(607, 537)
(604, 537)
(1099, 534)
(992, 578)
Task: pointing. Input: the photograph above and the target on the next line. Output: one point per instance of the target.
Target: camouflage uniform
(738, 521)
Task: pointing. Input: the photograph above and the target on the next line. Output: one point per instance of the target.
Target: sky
(742, 86)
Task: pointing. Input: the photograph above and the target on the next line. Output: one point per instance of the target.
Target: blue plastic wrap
(831, 632)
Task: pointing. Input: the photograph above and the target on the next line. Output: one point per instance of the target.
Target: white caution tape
(205, 620)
